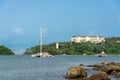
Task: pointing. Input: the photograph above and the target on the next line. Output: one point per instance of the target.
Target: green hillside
(110, 46)
(5, 51)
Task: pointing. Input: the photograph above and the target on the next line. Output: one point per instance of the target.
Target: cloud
(18, 31)
(9, 33)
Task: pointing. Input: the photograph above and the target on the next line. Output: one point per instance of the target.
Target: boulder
(81, 64)
(99, 76)
(110, 69)
(117, 75)
(113, 72)
(104, 62)
(95, 67)
(76, 72)
(113, 63)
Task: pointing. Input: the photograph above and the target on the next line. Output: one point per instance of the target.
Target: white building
(92, 39)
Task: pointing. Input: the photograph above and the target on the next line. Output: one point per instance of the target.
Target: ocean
(22, 67)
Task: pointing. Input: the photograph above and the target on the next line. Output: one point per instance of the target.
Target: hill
(5, 51)
(110, 46)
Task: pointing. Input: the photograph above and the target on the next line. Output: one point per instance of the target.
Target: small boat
(42, 54)
(102, 54)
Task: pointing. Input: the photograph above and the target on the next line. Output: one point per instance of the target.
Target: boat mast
(41, 40)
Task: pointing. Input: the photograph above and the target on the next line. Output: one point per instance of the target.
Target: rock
(112, 63)
(99, 76)
(84, 79)
(104, 62)
(96, 68)
(117, 75)
(113, 72)
(110, 69)
(81, 64)
(93, 65)
(76, 72)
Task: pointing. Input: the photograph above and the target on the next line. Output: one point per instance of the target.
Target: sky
(20, 21)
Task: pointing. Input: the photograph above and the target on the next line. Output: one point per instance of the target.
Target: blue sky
(20, 20)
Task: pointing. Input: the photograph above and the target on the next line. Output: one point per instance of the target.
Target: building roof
(87, 36)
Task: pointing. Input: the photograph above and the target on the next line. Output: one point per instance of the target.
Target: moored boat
(102, 54)
(43, 54)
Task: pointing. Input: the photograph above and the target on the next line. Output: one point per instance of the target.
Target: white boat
(102, 54)
(43, 54)
(35, 55)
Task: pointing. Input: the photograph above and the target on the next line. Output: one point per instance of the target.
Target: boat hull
(42, 55)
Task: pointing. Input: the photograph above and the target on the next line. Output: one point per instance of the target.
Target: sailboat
(42, 54)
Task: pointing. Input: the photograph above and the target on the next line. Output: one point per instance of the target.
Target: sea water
(28, 68)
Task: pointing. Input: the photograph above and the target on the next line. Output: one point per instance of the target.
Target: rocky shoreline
(103, 71)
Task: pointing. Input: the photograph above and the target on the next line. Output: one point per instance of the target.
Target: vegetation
(110, 46)
(5, 51)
